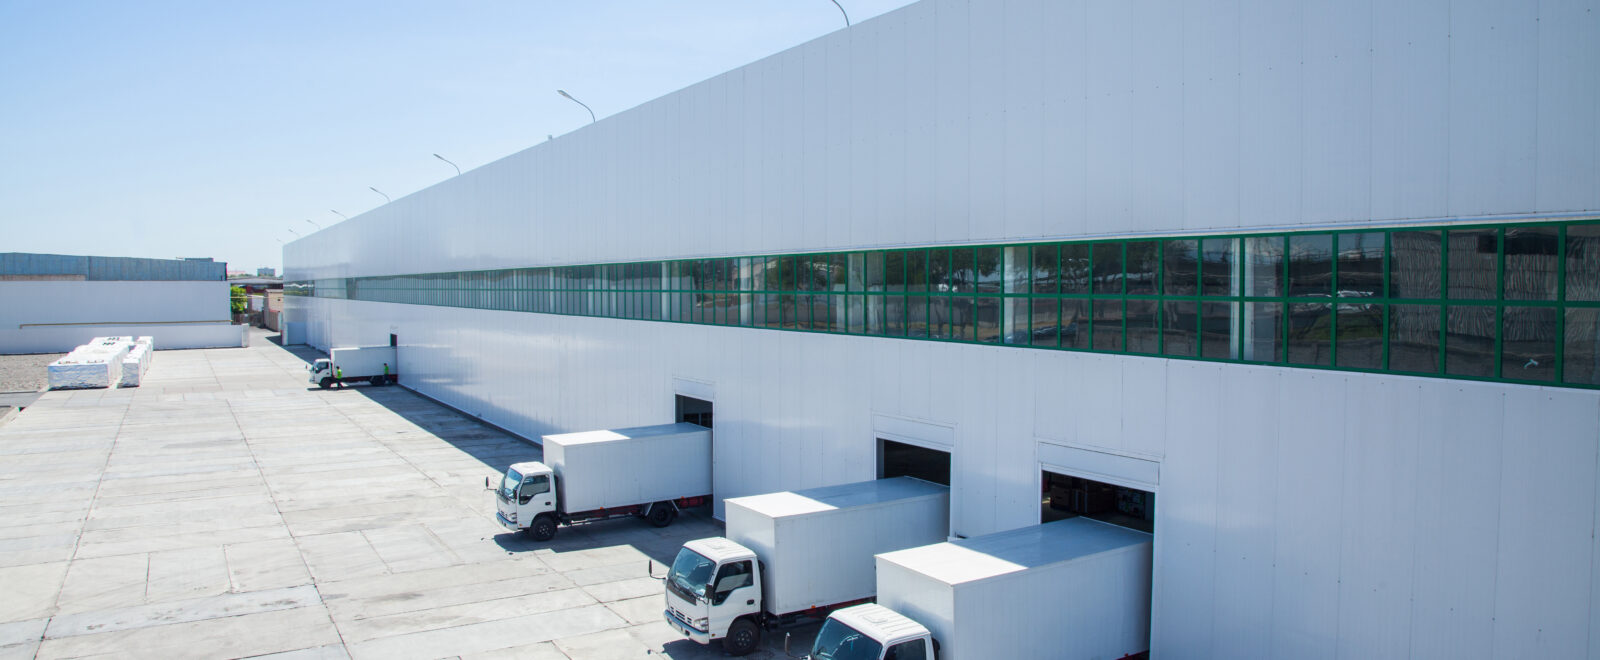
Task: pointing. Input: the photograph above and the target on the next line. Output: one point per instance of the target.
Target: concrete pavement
(225, 509)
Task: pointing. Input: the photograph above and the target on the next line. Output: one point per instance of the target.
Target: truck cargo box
(818, 544)
(623, 467)
(364, 360)
(1076, 588)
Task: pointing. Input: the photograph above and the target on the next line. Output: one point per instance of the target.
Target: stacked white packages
(137, 362)
(95, 364)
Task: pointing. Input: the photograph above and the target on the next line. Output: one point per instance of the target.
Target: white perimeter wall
(176, 314)
(1301, 514)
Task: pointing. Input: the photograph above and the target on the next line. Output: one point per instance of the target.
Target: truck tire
(743, 637)
(326, 382)
(542, 529)
(375, 380)
(662, 514)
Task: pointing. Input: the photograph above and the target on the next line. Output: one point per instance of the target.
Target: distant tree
(236, 300)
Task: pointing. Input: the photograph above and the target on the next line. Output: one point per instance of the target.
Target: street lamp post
(339, 214)
(314, 224)
(842, 11)
(380, 192)
(447, 160)
(585, 106)
(292, 231)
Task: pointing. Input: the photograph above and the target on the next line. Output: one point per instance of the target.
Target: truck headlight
(700, 623)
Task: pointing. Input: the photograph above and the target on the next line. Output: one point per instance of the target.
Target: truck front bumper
(685, 629)
(501, 518)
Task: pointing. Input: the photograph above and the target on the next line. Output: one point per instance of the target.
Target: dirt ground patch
(25, 373)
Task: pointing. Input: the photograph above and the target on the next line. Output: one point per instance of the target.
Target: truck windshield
(837, 641)
(508, 485)
(690, 573)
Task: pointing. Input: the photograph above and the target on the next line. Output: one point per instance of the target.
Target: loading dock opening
(898, 459)
(693, 411)
(1066, 496)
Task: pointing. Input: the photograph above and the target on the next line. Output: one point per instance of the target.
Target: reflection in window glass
(939, 274)
(1019, 267)
(1181, 267)
(1107, 268)
(963, 318)
(1310, 266)
(1217, 328)
(1414, 338)
(894, 310)
(1310, 330)
(1074, 329)
(1017, 328)
(857, 316)
(1583, 262)
(1075, 272)
(1414, 262)
(1473, 256)
(988, 319)
(1360, 336)
(939, 317)
(1263, 276)
(962, 279)
(1143, 329)
(895, 271)
(916, 270)
(1217, 271)
(987, 266)
(1106, 325)
(1046, 268)
(1142, 259)
(874, 315)
(1469, 341)
(873, 277)
(917, 316)
(1361, 265)
(1043, 330)
(1581, 355)
(1531, 263)
(1181, 330)
(1528, 341)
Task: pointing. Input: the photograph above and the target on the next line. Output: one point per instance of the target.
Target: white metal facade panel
(1302, 513)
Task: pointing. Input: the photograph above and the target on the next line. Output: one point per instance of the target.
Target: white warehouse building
(1309, 290)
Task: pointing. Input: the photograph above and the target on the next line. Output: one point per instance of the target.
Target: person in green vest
(338, 376)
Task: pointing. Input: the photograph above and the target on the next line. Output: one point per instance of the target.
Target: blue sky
(212, 129)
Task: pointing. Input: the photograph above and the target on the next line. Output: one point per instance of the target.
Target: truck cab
(322, 368)
(872, 632)
(526, 494)
(714, 592)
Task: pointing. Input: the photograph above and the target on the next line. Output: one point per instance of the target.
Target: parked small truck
(792, 556)
(649, 471)
(1000, 596)
(360, 364)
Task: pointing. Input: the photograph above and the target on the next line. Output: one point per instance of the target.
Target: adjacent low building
(50, 303)
(1308, 290)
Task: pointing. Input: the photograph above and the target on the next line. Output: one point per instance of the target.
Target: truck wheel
(325, 382)
(543, 528)
(375, 380)
(743, 637)
(662, 514)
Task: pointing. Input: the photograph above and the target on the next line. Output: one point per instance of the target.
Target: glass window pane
(1473, 256)
(1414, 338)
(1019, 265)
(1075, 272)
(1528, 344)
(917, 316)
(988, 319)
(1361, 265)
(1144, 330)
(895, 316)
(1181, 268)
(874, 278)
(1310, 266)
(986, 266)
(1143, 258)
(839, 273)
(1217, 271)
(938, 317)
(1581, 356)
(1017, 328)
(1310, 326)
(1469, 341)
(1046, 268)
(828, 313)
(916, 270)
(963, 317)
(1182, 324)
(1218, 329)
(1531, 263)
(1583, 262)
(1043, 331)
(1074, 329)
(1263, 276)
(1414, 264)
(855, 312)
(962, 278)
(1107, 271)
(874, 320)
(1106, 326)
(857, 271)
(1360, 333)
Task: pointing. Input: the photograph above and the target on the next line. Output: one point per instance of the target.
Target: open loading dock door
(693, 411)
(898, 459)
(1067, 496)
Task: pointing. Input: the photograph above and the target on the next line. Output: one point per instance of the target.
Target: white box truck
(1072, 589)
(358, 364)
(646, 471)
(793, 555)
